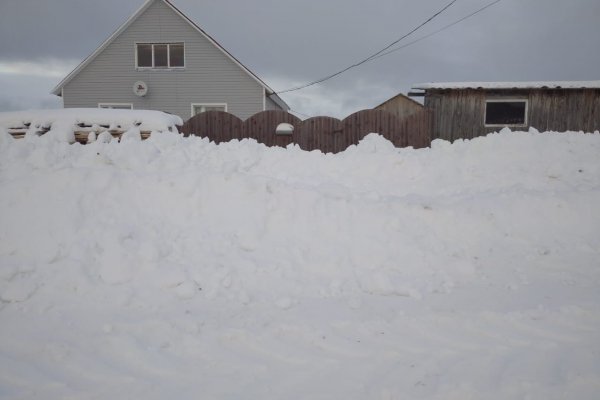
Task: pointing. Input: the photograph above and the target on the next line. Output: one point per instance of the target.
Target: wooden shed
(401, 106)
(469, 109)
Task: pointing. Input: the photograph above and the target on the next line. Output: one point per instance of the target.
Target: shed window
(506, 113)
(160, 55)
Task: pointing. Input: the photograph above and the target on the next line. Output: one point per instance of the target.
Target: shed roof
(402, 96)
(509, 85)
(270, 92)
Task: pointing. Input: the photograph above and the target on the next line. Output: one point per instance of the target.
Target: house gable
(400, 105)
(210, 75)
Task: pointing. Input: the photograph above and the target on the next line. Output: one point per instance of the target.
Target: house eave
(278, 100)
(57, 90)
(218, 46)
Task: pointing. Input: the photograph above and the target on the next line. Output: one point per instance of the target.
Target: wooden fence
(330, 135)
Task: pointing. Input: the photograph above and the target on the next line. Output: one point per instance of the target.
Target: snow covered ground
(63, 122)
(175, 268)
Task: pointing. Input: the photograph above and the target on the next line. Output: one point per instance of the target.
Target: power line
(381, 54)
(299, 113)
(371, 56)
(437, 31)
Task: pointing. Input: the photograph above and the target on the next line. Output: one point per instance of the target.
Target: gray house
(160, 60)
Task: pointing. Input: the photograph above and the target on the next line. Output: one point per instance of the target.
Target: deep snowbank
(175, 267)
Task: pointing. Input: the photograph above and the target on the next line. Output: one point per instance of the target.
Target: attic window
(160, 55)
(506, 112)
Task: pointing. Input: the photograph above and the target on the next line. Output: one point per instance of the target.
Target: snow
(284, 129)
(510, 85)
(145, 120)
(174, 267)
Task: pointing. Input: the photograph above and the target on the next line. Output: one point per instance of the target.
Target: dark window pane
(160, 56)
(144, 55)
(176, 55)
(505, 113)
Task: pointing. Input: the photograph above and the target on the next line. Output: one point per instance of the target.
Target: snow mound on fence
(177, 267)
(145, 120)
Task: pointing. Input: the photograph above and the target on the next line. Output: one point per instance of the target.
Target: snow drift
(175, 267)
(63, 121)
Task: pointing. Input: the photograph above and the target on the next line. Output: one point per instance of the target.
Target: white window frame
(111, 105)
(507, 100)
(153, 68)
(194, 105)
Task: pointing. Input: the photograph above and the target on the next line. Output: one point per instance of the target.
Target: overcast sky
(291, 42)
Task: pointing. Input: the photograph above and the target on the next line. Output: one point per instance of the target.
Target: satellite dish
(140, 88)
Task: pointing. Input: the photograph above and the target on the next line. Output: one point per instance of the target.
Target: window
(200, 108)
(116, 106)
(160, 55)
(506, 113)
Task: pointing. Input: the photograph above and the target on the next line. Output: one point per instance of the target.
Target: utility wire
(371, 56)
(437, 31)
(299, 113)
(382, 53)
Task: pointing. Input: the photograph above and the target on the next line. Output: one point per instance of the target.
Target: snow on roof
(145, 120)
(510, 85)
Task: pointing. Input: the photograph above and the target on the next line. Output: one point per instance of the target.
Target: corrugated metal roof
(510, 85)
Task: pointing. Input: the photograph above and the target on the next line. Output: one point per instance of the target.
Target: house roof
(510, 85)
(58, 89)
(397, 96)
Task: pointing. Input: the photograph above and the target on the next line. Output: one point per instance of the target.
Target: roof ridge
(57, 90)
(398, 95)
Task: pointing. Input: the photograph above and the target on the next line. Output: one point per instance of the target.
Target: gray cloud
(288, 42)
(41, 29)
(21, 92)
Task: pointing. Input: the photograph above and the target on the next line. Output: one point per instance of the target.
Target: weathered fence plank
(218, 126)
(361, 123)
(320, 133)
(262, 127)
(417, 128)
(327, 134)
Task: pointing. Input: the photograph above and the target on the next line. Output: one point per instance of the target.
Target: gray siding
(459, 114)
(271, 105)
(209, 75)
